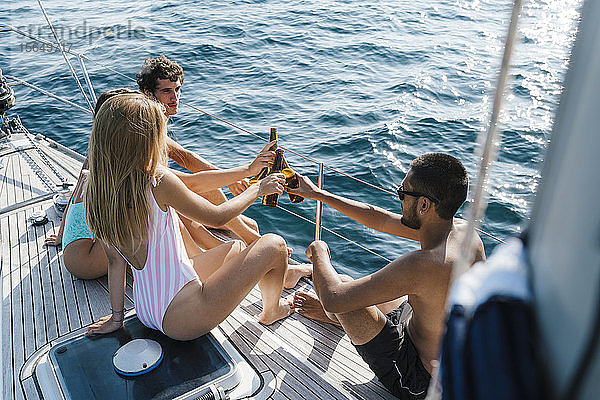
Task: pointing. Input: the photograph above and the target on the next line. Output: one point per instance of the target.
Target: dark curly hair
(442, 177)
(158, 68)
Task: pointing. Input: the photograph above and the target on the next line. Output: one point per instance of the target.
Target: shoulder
(167, 185)
(418, 264)
(462, 226)
(164, 176)
(172, 143)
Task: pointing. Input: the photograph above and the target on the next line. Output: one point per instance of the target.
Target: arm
(172, 192)
(55, 240)
(194, 163)
(366, 214)
(404, 276)
(116, 289)
(205, 181)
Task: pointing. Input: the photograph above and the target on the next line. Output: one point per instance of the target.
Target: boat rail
(321, 166)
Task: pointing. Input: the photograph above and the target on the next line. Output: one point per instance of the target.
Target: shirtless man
(397, 336)
(161, 79)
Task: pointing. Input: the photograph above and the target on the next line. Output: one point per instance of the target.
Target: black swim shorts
(394, 359)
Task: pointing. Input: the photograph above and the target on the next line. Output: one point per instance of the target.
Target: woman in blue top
(85, 258)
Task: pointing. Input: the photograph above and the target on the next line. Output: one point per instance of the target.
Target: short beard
(411, 219)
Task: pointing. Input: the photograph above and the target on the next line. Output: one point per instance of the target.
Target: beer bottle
(291, 181)
(265, 171)
(271, 199)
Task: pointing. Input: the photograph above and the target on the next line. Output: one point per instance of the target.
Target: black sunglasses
(402, 193)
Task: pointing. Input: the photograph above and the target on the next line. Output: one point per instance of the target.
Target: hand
(53, 240)
(104, 325)
(238, 187)
(317, 247)
(263, 159)
(306, 188)
(271, 184)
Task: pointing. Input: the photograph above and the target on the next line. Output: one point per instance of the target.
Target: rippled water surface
(363, 86)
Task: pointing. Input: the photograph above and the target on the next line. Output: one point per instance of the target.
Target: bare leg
(250, 223)
(264, 262)
(362, 325)
(218, 256)
(85, 259)
(191, 247)
(248, 230)
(199, 234)
(295, 272)
(308, 304)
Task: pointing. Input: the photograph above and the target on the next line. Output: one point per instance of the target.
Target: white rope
(488, 151)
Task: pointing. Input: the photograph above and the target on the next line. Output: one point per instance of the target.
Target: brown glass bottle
(271, 199)
(266, 170)
(291, 181)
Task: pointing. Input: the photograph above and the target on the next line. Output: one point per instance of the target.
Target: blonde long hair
(127, 146)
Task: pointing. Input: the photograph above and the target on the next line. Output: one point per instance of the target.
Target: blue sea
(362, 86)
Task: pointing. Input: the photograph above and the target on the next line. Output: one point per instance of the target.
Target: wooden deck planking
(58, 292)
(128, 301)
(48, 297)
(330, 349)
(304, 382)
(98, 298)
(319, 375)
(71, 309)
(331, 341)
(4, 162)
(7, 337)
(21, 171)
(27, 286)
(85, 308)
(310, 359)
(37, 288)
(9, 191)
(16, 294)
(68, 167)
(265, 336)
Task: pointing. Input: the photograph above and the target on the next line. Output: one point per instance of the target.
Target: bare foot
(308, 304)
(284, 309)
(294, 273)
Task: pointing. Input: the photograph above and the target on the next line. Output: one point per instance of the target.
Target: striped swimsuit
(167, 269)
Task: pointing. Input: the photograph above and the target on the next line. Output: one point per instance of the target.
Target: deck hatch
(84, 366)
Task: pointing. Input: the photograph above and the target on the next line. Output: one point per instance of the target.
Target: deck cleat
(39, 218)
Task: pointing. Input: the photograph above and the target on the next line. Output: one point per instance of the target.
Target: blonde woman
(131, 204)
(84, 257)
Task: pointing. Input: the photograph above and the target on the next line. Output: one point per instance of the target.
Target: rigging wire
(335, 233)
(60, 47)
(19, 82)
(488, 151)
(83, 56)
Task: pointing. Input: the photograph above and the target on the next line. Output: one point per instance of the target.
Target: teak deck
(42, 301)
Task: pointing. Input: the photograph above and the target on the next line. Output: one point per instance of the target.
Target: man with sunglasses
(395, 316)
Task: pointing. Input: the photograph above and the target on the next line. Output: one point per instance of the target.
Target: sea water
(362, 86)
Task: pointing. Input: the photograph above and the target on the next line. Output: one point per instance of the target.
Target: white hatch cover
(137, 357)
